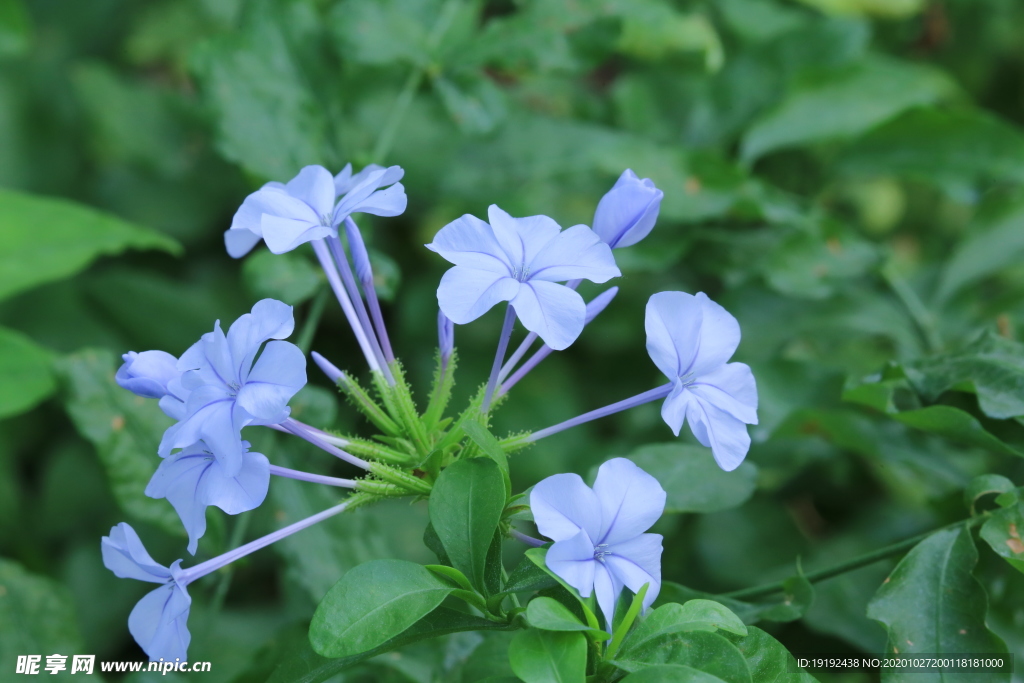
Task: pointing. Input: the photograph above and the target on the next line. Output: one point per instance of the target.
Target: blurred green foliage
(845, 176)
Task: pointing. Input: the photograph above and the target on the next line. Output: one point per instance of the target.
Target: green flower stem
(406, 412)
(316, 309)
(850, 565)
(367, 406)
(412, 84)
(365, 448)
(411, 483)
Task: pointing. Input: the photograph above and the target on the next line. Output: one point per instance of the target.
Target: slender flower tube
(445, 338)
(594, 309)
(159, 622)
(330, 369)
(305, 432)
(347, 278)
(364, 270)
(312, 478)
(638, 400)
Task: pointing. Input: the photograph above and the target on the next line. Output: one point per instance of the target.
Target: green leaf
(932, 603)
(548, 614)
(960, 151)
(45, 239)
(768, 659)
(692, 479)
(814, 265)
(465, 507)
(477, 107)
(993, 241)
(15, 28)
(289, 277)
(956, 425)
(1003, 532)
(656, 30)
(671, 673)
(527, 576)
(549, 657)
(267, 119)
(694, 615)
(856, 98)
(985, 485)
(992, 366)
(37, 616)
(491, 447)
(537, 556)
(701, 650)
(372, 604)
(885, 9)
(452, 574)
(26, 377)
(303, 665)
(787, 607)
(125, 429)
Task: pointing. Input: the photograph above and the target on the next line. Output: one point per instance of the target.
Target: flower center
(687, 379)
(521, 273)
(600, 551)
(235, 387)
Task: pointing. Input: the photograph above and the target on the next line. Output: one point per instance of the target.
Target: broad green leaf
(994, 241)
(267, 119)
(694, 615)
(1004, 532)
(701, 650)
(527, 576)
(956, 425)
(37, 616)
(856, 98)
(814, 265)
(992, 366)
(886, 9)
(932, 603)
(300, 664)
(548, 614)
(289, 277)
(491, 447)
(789, 605)
(372, 604)
(587, 605)
(985, 485)
(465, 507)
(46, 238)
(15, 28)
(549, 657)
(692, 479)
(961, 152)
(26, 377)
(671, 673)
(125, 429)
(656, 30)
(768, 659)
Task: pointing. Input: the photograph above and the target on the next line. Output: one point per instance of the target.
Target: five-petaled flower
(193, 479)
(227, 391)
(600, 545)
(690, 338)
(305, 208)
(159, 621)
(521, 260)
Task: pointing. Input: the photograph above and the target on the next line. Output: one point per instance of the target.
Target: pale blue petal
(576, 253)
(269, 319)
(243, 492)
(522, 239)
(637, 561)
(627, 213)
(732, 388)
(573, 561)
(724, 434)
(159, 623)
(208, 361)
(246, 227)
(147, 373)
(631, 500)
(673, 410)
(124, 554)
(284, 234)
(362, 190)
(314, 185)
(277, 376)
(719, 337)
(465, 294)
(673, 324)
(240, 242)
(388, 202)
(470, 242)
(562, 505)
(607, 588)
(555, 312)
(343, 180)
(173, 407)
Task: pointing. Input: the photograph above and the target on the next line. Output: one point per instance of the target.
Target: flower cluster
(227, 383)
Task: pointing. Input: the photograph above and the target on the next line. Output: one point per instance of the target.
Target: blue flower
(627, 212)
(159, 622)
(520, 260)
(599, 540)
(193, 479)
(306, 208)
(147, 374)
(691, 338)
(227, 391)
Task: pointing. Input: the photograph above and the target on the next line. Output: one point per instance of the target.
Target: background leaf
(545, 656)
(26, 372)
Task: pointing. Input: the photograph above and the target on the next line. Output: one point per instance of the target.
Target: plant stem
(316, 309)
(221, 592)
(499, 356)
(850, 565)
